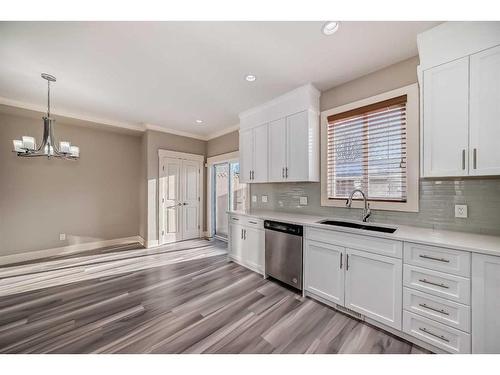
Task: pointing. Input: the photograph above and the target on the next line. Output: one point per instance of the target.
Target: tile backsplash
(437, 204)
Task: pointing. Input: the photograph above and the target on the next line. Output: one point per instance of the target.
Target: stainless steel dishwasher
(284, 252)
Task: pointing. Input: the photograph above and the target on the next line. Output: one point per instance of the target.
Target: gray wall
(221, 145)
(437, 196)
(94, 198)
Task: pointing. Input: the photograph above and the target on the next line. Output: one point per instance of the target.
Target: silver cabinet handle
(432, 258)
(463, 159)
(249, 175)
(435, 284)
(341, 260)
(474, 158)
(347, 262)
(244, 234)
(179, 204)
(286, 172)
(433, 309)
(185, 203)
(434, 334)
(283, 172)
(252, 222)
(235, 219)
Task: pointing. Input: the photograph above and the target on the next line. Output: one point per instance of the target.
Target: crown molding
(117, 124)
(37, 108)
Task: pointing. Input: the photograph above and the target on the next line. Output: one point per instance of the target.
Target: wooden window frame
(412, 147)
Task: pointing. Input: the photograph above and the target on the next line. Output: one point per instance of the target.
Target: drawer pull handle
(252, 222)
(235, 219)
(433, 309)
(435, 284)
(432, 258)
(433, 334)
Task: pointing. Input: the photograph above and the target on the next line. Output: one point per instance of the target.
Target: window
(372, 145)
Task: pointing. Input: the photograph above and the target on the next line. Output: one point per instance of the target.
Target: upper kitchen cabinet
(290, 152)
(459, 76)
(253, 154)
(485, 112)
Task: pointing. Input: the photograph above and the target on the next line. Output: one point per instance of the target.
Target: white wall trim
(412, 144)
(67, 250)
(117, 124)
(223, 132)
(180, 155)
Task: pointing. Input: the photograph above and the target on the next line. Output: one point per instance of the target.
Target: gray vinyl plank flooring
(186, 298)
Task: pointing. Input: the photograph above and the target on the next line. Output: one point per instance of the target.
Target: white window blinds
(366, 149)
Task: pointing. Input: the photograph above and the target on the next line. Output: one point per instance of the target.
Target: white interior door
(171, 203)
(484, 156)
(190, 193)
(179, 204)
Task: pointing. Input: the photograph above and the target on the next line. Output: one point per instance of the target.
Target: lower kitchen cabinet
(485, 304)
(373, 286)
(246, 246)
(324, 271)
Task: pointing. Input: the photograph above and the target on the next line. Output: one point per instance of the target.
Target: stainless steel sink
(365, 226)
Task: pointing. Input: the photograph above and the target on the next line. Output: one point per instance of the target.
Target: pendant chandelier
(27, 146)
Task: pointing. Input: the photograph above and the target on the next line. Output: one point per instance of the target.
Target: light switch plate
(303, 201)
(264, 199)
(461, 210)
(254, 198)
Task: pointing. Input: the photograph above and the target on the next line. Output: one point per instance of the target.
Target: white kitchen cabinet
(253, 154)
(300, 154)
(485, 304)
(484, 155)
(446, 119)
(236, 241)
(324, 271)
(253, 248)
(277, 150)
(373, 286)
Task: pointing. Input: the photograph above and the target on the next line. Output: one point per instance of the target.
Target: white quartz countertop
(478, 243)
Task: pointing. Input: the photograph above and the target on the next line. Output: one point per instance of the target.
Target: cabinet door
(297, 143)
(277, 150)
(485, 112)
(260, 137)
(485, 304)
(246, 155)
(324, 271)
(253, 248)
(236, 241)
(445, 127)
(373, 286)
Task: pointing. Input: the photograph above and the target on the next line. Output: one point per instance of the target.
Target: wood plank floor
(183, 299)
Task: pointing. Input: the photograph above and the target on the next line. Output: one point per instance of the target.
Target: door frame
(182, 156)
(223, 158)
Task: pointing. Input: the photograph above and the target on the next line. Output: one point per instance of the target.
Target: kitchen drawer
(252, 222)
(447, 312)
(371, 244)
(235, 219)
(438, 258)
(444, 337)
(452, 287)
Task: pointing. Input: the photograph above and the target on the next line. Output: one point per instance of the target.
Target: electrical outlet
(303, 201)
(264, 199)
(62, 236)
(254, 199)
(461, 210)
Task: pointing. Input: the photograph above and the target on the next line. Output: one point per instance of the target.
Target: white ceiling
(169, 74)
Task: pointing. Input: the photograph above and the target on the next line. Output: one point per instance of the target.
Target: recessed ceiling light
(250, 77)
(199, 121)
(330, 27)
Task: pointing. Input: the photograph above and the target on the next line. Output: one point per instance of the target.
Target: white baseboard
(66, 250)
